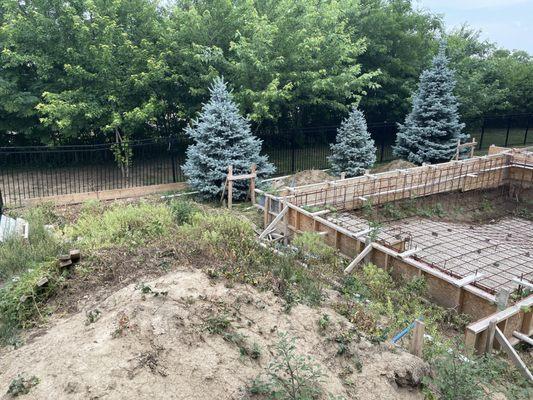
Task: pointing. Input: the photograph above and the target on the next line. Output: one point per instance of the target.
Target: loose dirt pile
(391, 166)
(184, 336)
(303, 178)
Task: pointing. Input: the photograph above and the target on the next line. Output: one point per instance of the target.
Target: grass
(16, 254)
(131, 224)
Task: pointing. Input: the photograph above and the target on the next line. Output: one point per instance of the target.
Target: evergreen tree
(430, 132)
(222, 137)
(354, 150)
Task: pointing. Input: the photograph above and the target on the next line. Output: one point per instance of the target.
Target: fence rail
(35, 171)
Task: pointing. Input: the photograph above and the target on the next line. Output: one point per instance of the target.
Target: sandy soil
(143, 346)
(303, 178)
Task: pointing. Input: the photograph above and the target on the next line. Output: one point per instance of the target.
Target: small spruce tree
(432, 128)
(222, 137)
(354, 150)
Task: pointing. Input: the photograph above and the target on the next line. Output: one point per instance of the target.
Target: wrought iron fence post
(293, 161)
(482, 133)
(382, 149)
(508, 129)
(172, 160)
(527, 129)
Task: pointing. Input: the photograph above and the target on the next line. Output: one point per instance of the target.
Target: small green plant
(145, 289)
(324, 322)
(21, 385)
(123, 326)
(375, 230)
(217, 324)
(183, 210)
(289, 376)
(92, 316)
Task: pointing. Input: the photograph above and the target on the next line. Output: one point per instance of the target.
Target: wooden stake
(489, 344)
(230, 186)
(252, 184)
(417, 341)
(513, 355)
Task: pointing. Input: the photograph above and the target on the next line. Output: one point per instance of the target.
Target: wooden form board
(476, 173)
(517, 318)
(113, 194)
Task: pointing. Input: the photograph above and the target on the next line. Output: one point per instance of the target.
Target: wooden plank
(482, 324)
(523, 338)
(113, 194)
(417, 341)
(489, 344)
(242, 177)
(358, 259)
(252, 185)
(409, 252)
(469, 279)
(230, 186)
(513, 355)
(274, 222)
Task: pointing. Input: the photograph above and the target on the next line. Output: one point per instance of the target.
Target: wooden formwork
(485, 172)
(448, 291)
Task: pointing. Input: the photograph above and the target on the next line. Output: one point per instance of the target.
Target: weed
(123, 326)
(183, 210)
(324, 322)
(289, 376)
(375, 229)
(17, 255)
(217, 324)
(22, 298)
(21, 385)
(92, 316)
(145, 289)
(131, 224)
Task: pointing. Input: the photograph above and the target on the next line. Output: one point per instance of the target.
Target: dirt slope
(148, 346)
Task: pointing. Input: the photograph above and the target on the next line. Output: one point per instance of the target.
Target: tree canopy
(89, 70)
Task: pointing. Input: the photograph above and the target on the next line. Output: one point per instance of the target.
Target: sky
(509, 23)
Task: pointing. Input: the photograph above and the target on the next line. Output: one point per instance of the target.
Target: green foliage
(459, 375)
(289, 376)
(231, 243)
(432, 128)
(21, 299)
(17, 255)
(131, 224)
(21, 385)
(183, 210)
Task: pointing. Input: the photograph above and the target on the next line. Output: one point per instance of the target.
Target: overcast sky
(509, 23)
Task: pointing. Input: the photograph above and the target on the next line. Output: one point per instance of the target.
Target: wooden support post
(337, 240)
(343, 175)
(417, 341)
(230, 186)
(513, 355)
(489, 344)
(358, 259)
(502, 298)
(252, 184)
(266, 215)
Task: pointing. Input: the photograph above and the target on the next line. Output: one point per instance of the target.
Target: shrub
(289, 376)
(130, 224)
(21, 298)
(16, 254)
(183, 210)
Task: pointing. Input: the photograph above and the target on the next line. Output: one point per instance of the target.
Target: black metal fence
(30, 172)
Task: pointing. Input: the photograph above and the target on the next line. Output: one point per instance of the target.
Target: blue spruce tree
(222, 137)
(430, 132)
(354, 150)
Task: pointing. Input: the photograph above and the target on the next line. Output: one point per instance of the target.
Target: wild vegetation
(308, 272)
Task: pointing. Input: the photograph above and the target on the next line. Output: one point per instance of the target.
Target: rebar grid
(478, 173)
(500, 250)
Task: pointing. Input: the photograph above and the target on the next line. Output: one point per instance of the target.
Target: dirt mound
(183, 336)
(304, 178)
(396, 164)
